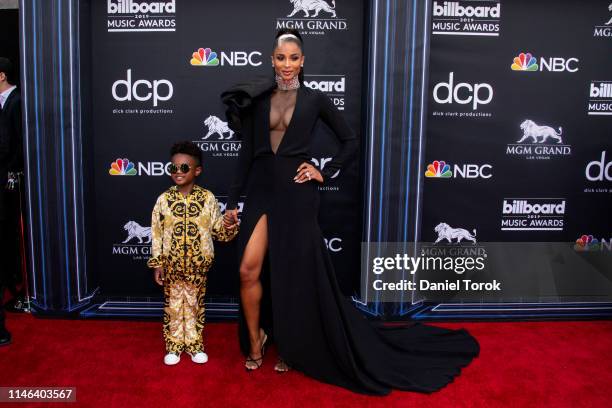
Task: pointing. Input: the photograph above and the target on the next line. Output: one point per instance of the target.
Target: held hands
(158, 273)
(230, 218)
(307, 172)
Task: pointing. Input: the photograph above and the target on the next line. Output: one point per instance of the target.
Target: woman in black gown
(296, 300)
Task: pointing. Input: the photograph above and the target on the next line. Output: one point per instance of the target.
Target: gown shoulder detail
(239, 97)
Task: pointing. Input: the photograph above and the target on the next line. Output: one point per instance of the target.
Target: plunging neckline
(269, 110)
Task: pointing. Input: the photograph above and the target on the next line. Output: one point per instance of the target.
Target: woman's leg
(250, 285)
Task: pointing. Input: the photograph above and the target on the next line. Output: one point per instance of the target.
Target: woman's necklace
(293, 83)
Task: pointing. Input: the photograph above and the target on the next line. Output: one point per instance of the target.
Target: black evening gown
(316, 329)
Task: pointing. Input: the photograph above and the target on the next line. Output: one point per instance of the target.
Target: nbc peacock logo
(525, 62)
(438, 169)
(587, 243)
(122, 167)
(204, 57)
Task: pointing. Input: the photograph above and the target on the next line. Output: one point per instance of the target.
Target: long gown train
(316, 329)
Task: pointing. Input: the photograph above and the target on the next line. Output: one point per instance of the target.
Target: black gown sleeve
(245, 158)
(345, 135)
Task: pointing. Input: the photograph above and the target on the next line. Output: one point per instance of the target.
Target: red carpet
(119, 364)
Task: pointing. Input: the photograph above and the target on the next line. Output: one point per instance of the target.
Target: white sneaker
(171, 359)
(199, 358)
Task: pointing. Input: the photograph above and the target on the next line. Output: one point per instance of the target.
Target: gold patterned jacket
(182, 230)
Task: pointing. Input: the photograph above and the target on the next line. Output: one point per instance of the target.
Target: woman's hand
(230, 218)
(307, 172)
(159, 276)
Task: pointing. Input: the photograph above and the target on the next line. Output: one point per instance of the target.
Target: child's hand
(159, 276)
(230, 218)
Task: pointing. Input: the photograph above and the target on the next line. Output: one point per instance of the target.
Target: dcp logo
(462, 93)
(320, 163)
(142, 90)
(599, 170)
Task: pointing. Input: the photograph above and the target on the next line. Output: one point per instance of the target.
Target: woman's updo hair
(297, 39)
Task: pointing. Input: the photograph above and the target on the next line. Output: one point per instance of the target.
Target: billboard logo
(526, 62)
(599, 170)
(440, 169)
(533, 142)
(600, 98)
(205, 57)
(142, 90)
(133, 7)
(333, 86)
(122, 167)
(533, 214)
(130, 16)
(459, 18)
(315, 17)
(604, 30)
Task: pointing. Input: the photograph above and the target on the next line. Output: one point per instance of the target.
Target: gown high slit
(315, 328)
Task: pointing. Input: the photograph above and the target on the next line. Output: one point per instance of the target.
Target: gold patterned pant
(184, 313)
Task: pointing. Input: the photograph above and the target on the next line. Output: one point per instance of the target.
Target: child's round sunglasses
(184, 168)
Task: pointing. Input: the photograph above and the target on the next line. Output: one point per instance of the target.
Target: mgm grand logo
(219, 140)
(453, 242)
(316, 17)
(137, 243)
(539, 142)
(605, 30)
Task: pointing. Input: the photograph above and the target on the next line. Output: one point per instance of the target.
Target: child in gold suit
(186, 218)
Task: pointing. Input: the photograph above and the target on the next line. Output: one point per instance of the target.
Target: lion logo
(135, 230)
(216, 125)
(609, 9)
(533, 131)
(309, 5)
(448, 233)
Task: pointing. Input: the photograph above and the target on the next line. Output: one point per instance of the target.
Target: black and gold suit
(182, 229)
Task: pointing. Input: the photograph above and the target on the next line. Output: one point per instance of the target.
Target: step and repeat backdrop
(158, 69)
(519, 143)
(485, 127)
